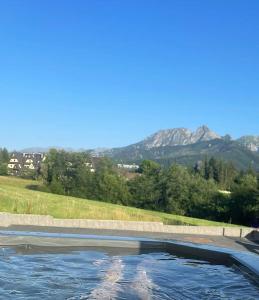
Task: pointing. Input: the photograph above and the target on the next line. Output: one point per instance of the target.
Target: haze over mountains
(183, 146)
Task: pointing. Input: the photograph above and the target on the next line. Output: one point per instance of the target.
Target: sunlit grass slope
(15, 197)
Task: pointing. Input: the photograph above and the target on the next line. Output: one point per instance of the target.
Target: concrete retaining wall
(7, 219)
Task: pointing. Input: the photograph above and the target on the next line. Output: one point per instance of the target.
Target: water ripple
(96, 275)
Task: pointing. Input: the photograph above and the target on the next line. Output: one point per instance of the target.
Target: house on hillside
(20, 162)
(128, 166)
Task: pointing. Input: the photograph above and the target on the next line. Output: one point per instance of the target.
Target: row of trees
(186, 192)
(223, 173)
(70, 174)
(191, 192)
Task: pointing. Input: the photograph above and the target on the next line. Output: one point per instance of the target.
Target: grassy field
(15, 197)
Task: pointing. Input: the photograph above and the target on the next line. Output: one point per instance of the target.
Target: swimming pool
(28, 272)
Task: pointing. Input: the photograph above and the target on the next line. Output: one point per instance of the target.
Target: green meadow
(17, 196)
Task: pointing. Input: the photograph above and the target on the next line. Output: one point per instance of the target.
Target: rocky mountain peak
(203, 133)
(250, 141)
(178, 136)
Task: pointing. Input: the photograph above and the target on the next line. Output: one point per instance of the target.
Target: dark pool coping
(247, 262)
(235, 243)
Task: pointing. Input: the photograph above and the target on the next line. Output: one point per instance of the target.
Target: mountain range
(183, 146)
(187, 147)
(178, 136)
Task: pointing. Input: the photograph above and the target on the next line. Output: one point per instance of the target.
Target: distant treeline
(195, 192)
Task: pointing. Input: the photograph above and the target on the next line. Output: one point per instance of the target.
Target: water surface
(98, 275)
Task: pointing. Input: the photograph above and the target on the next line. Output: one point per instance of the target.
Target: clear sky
(109, 73)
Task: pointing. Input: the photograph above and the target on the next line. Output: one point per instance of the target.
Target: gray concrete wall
(7, 219)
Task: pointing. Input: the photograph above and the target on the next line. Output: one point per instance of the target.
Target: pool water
(99, 275)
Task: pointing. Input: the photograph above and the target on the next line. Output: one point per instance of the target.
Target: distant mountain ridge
(187, 147)
(184, 146)
(43, 149)
(250, 141)
(178, 136)
(184, 136)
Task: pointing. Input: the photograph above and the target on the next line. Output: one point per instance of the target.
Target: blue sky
(109, 73)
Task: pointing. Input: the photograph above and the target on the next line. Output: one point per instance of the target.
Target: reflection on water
(97, 275)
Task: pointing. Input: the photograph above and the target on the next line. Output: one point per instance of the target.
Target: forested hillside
(188, 155)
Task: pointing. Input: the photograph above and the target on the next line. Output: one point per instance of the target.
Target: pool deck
(233, 243)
